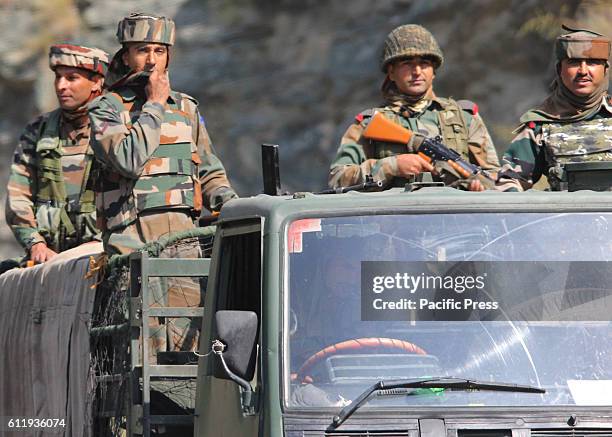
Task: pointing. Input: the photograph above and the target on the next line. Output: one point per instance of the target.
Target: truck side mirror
(237, 330)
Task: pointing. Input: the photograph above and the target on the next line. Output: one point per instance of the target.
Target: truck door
(234, 284)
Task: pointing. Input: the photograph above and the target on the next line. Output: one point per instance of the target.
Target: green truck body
(307, 310)
(281, 247)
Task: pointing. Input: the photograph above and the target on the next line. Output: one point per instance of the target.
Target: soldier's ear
(124, 57)
(98, 83)
(390, 71)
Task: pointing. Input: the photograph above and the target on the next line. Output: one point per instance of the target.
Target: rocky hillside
(292, 72)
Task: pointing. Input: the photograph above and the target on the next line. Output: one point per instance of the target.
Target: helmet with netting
(410, 40)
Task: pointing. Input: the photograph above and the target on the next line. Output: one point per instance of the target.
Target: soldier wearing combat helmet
(411, 56)
(157, 164)
(50, 202)
(571, 125)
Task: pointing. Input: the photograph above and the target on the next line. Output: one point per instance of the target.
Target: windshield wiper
(439, 382)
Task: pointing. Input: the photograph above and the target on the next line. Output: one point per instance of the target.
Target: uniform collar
(433, 103)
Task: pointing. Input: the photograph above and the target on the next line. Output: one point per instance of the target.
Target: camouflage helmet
(410, 40)
(70, 55)
(146, 28)
(581, 44)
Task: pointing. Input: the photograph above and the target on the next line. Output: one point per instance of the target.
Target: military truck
(509, 331)
(424, 311)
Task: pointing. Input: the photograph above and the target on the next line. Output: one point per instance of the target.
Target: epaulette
(468, 106)
(529, 125)
(187, 97)
(368, 113)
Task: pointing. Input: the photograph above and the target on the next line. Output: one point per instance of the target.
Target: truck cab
(435, 312)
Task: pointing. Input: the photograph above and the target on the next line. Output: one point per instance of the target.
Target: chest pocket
(175, 152)
(50, 175)
(169, 178)
(578, 142)
(454, 129)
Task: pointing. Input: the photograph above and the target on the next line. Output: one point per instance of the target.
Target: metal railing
(143, 267)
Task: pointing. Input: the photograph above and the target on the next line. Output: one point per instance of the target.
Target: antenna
(270, 168)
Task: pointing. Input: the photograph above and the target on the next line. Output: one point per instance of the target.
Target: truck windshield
(520, 298)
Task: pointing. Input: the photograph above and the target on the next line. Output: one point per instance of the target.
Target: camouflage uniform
(50, 198)
(458, 123)
(559, 130)
(156, 169)
(153, 159)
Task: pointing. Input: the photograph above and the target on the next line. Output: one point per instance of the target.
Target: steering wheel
(356, 344)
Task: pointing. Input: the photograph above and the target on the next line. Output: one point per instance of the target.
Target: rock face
(294, 73)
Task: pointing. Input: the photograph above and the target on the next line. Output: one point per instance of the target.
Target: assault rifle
(431, 150)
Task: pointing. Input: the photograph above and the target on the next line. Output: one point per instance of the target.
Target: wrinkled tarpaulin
(45, 313)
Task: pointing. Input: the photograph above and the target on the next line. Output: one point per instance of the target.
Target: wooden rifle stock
(380, 128)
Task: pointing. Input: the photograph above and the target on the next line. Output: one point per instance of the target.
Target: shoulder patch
(368, 113)
(468, 106)
(531, 125)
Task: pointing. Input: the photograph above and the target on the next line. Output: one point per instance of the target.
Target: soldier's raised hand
(410, 163)
(158, 88)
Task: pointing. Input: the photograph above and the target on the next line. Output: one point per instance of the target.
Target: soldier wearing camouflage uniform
(157, 163)
(50, 202)
(156, 166)
(410, 58)
(572, 124)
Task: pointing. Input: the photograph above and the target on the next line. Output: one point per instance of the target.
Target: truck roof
(277, 209)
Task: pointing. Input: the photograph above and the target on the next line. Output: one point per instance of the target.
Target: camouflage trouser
(166, 334)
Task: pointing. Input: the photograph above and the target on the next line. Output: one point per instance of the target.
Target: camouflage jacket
(459, 124)
(152, 157)
(50, 198)
(535, 151)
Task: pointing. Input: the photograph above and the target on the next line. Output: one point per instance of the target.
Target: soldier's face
(413, 76)
(75, 87)
(146, 56)
(582, 76)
